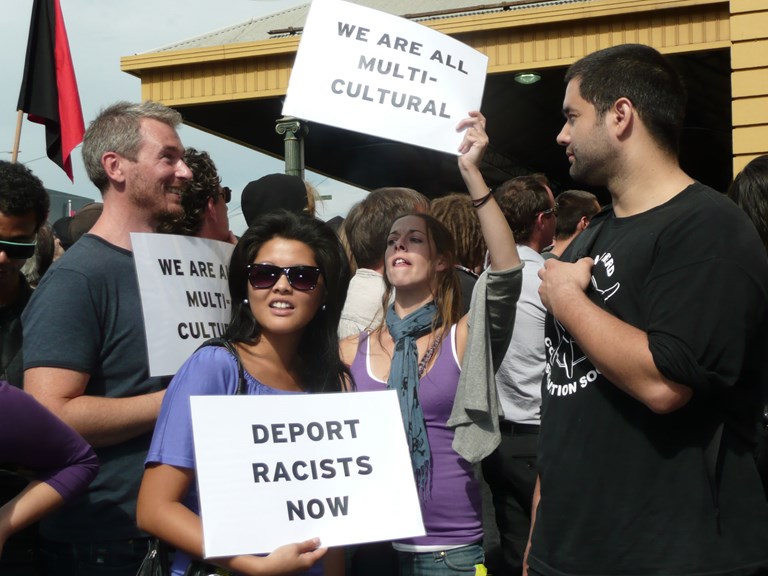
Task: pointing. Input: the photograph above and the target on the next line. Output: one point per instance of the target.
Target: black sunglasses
(226, 193)
(17, 250)
(302, 278)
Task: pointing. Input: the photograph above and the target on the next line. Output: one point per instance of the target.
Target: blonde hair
(313, 197)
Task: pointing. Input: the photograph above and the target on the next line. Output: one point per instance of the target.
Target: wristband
(478, 202)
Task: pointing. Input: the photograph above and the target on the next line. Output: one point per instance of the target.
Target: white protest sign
(273, 470)
(372, 72)
(184, 295)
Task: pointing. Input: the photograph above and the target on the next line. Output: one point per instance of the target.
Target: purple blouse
(32, 437)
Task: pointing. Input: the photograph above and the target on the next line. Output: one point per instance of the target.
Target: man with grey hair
(85, 351)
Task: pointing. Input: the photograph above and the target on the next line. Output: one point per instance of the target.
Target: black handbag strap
(157, 561)
(222, 342)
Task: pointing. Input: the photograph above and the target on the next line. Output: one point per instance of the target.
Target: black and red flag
(49, 89)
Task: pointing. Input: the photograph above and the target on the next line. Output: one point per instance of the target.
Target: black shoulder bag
(155, 563)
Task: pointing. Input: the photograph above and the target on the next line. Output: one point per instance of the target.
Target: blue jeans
(120, 558)
(445, 563)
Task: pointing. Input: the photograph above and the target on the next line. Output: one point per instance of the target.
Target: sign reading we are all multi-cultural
(372, 72)
(184, 295)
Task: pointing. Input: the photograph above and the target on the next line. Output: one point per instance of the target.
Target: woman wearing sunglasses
(288, 278)
(422, 350)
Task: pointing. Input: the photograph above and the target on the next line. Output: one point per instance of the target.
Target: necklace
(428, 356)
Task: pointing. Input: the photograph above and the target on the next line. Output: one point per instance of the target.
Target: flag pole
(17, 137)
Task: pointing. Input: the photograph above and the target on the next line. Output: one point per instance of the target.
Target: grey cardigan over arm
(475, 414)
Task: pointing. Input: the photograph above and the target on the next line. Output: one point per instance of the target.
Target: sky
(100, 32)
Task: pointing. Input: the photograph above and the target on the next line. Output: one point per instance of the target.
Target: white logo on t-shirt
(606, 261)
(565, 354)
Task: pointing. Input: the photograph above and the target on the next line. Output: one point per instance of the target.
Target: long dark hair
(321, 367)
(750, 192)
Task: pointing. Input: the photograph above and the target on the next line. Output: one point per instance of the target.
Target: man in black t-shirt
(656, 336)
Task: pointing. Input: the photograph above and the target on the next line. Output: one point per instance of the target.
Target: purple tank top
(452, 513)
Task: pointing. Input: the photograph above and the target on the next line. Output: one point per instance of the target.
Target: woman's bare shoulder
(348, 348)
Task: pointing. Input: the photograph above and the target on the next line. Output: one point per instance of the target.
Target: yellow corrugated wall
(749, 80)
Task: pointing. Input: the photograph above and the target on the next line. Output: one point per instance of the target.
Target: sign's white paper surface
(273, 470)
(184, 295)
(375, 73)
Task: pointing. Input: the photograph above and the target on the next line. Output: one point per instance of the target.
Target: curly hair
(322, 368)
(205, 184)
(22, 192)
(456, 213)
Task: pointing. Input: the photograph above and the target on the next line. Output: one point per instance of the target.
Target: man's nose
(183, 172)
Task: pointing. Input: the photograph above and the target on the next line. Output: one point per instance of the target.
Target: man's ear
(113, 164)
(210, 208)
(624, 114)
(583, 223)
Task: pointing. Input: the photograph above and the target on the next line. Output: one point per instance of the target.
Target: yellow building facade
(534, 35)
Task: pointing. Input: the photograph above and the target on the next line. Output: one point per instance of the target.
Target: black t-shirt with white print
(625, 490)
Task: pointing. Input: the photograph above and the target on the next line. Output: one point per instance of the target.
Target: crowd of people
(582, 388)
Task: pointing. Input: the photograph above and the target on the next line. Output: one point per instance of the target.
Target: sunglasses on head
(17, 250)
(299, 277)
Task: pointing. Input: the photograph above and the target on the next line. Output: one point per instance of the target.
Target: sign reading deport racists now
(274, 470)
(372, 72)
